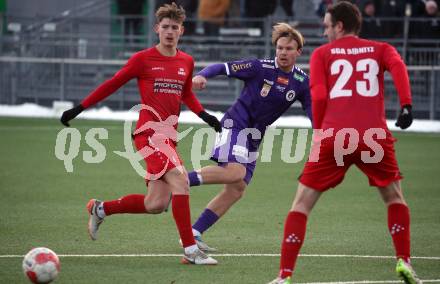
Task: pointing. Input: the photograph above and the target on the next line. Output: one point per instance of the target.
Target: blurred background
(54, 50)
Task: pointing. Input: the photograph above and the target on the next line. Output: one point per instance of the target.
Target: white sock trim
(199, 177)
(191, 249)
(100, 210)
(196, 233)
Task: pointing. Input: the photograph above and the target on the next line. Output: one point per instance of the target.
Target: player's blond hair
(285, 30)
(172, 11)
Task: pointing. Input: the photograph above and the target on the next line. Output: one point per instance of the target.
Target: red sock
(398, 225)
(182, 217)
(294, 233)
(133, 203)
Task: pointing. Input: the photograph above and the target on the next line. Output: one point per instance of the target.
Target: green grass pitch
(43, 205)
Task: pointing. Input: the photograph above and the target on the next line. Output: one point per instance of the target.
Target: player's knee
(305, 199)
(394, 198)
(239, 193)
(392, 194)
(179, 185)
(156, 207)
(235, 174)
(300, 205)
(155, 210)
(237, 190)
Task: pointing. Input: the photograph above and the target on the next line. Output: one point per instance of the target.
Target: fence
(43, 80)
(114, 37)
(67, 56)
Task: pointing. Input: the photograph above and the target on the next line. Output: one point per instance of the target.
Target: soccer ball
(41, 265)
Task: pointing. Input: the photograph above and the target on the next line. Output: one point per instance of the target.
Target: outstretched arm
(318, 89)
(395, 65)
(199, 81)
(129, 71)
(242, 69)
(191, 101)
(213, 70)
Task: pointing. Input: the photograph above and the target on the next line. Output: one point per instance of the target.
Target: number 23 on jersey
(367, 87)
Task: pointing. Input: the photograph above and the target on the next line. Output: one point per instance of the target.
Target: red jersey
(163, 82)
(347, 83)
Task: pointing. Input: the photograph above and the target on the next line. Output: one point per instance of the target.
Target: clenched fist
(199, 82)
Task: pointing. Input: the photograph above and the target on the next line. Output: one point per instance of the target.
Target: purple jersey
(268, 92)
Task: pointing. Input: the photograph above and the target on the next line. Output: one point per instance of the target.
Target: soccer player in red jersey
(164, 76)
(347, 90)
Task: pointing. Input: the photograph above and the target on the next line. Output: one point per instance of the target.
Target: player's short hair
(348, 14)
(172, 11)
(285, 30)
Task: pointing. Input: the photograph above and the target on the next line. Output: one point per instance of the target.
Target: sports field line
(371, 282)
(231, 255)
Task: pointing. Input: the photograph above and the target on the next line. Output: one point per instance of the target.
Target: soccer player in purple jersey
(271, 87)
